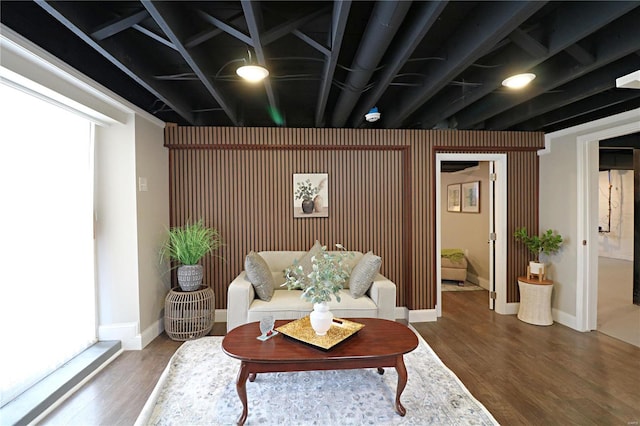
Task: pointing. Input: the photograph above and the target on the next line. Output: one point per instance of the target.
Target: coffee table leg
(241, 387)
(402, 382)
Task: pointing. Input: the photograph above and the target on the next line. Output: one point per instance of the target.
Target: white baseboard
(126, 332)
(483, 282)
(402, 312)
(423, 315)
(151, 332)
(509, 309)
(565, 319)
(221, 315)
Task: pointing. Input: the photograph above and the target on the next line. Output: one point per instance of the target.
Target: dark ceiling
(423, 64)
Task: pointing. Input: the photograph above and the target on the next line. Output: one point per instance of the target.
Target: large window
(48, 302)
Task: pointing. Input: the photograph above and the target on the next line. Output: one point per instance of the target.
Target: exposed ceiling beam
(253, 16)
(117, 25)
(423, 19)
(528, 43)
(168, 20)
(575, 21)
(600, 105)
(121, 58)
(338, 24)
(386, 19)
(582, 88)
(615, 43)
(227, 28)
(208, 34)
(580, 54)
(489, 25)
(326, 51)
(288, 27)
(154, 36)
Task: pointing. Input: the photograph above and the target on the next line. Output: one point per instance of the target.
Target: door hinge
(493, 177)
(493, 295)
(492, 236)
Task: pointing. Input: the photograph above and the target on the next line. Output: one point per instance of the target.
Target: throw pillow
(259, 275)
(305, 261)
(363, 274)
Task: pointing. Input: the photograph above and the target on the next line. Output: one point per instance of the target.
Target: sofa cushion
(288, 302)
(259, 275)
(305, 261)
(363, 274)
(278, 261)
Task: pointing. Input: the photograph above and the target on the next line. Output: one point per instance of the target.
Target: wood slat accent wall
(381, 198)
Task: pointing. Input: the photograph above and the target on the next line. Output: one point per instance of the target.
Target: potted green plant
(328, 275)
(548, 243)
(306, 192)
(187, 245)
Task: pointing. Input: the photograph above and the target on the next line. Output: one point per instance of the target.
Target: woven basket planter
(190, 277)
(189, 315)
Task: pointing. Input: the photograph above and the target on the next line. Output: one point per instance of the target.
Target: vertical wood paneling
(380, 194)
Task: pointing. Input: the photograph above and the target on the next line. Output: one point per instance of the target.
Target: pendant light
(251, 72)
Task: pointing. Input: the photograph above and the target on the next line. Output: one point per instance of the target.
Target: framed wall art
(453, 198)
(471, 197)
(310, 195)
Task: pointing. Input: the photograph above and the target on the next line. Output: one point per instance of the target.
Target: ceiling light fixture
(252, 72)
(518, 81)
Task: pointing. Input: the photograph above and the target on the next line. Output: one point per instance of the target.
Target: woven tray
(301, 330)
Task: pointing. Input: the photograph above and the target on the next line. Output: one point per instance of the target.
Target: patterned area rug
(198, 388)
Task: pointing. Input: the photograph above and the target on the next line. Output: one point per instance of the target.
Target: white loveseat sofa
(243, 306)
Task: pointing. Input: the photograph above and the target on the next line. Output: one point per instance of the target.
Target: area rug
(198, 388)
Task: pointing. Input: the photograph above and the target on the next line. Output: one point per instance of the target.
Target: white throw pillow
(363, 274)
(259, 275)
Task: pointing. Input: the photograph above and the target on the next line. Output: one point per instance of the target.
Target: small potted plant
(328, 275)
(306, 192)
(187, 245)
(548, 243)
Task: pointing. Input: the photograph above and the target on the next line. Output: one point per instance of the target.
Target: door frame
(587, 223)
(500, 215)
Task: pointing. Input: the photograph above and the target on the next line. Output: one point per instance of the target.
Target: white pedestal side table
(535, 301)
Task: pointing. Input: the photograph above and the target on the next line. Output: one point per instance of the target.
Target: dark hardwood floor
(523, 374)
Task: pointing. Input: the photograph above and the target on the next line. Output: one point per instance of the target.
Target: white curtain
(48, 301)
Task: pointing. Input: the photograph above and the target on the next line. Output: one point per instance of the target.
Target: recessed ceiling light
(252, 73)
(518, 81)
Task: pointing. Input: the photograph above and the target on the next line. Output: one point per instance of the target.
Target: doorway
(587, 201)
(495, 238)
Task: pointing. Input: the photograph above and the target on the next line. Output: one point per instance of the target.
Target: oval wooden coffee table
(381, 343)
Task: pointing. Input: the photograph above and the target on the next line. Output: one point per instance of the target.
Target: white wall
(618, 242)
(129, 224)
(558, 180)
(152, 164)
(569, 204)
(469, 230)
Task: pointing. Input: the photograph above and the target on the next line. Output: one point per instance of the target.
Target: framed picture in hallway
(471, 197)
(453, 198)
